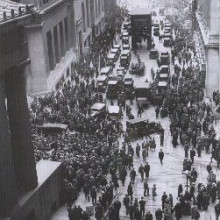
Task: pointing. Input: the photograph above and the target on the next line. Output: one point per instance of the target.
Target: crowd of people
(93, 160)
(88, 149)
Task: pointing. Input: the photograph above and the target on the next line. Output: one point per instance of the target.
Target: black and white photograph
(109, 109)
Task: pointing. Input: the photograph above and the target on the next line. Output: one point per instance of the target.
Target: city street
(168, 176)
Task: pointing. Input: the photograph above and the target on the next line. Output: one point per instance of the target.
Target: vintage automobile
(167, 30)
(166, 42)
(121, 71)
(167, 24)
(114, 112)
(112, 89)
(163, 76)
(164, 59)
(162, 86)
(98, 110)
(125, 58)
(129, 86)
(153, 54)
(142, 92)
(124, 34)
(138, 69)
(106, 71)
(111, 59)
(156, 31)
(115, 51)
(126, 25)
(52, 128)
(125, 40)
(139, 127)
(117, 46)
(164, 69)
(112, 76)
(101, 83)
(126, 46)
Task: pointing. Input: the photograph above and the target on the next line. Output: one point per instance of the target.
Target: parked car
(164, 58)
(142, 92)
(114, 112)
(121, 71)
(125, 59)
(166, 42)
(112, 89)
(153, 54)
(101, 83)
(106, 70)
(115, 51)
(164, 69)
(163, 76)
(156, 31)
(126, 46)
(129, 86)
(98, 110)
(111, 59)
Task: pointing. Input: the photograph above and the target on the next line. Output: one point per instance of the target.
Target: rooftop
(140, 11)
(10, 10)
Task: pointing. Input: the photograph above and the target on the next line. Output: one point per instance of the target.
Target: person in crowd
(161, 156)
(142, 203)
(159, 214)
(147, 170)
(154, 193)
(146, 187)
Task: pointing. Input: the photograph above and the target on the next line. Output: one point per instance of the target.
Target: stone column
(59, 43)
(22, 147)
(53, 46)
(8, 190)
(64, 38)
(39, 58)
(213, 68)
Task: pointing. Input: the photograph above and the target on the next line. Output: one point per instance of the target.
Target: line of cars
(166, 34)
(100, 111)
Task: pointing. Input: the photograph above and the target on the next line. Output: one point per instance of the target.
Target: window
(66, 32)
(84, 17)
(56, 44)
(50, 50)
(61, 39)
(87, 13)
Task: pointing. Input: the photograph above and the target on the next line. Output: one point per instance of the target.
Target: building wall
(53, 53)
(40, 203)
(51, 44)
(109, 5)
(208, 19)
(89, 18)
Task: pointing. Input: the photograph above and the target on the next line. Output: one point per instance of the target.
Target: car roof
(111, 55)
(105, 69)
(98, 106)
(112, 82)
(101, 77)
(113, 109)
(114, 50)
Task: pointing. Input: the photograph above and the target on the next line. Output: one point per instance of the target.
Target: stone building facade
(62, 31)
(208, 23)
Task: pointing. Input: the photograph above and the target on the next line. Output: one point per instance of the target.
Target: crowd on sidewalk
(92, 159)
